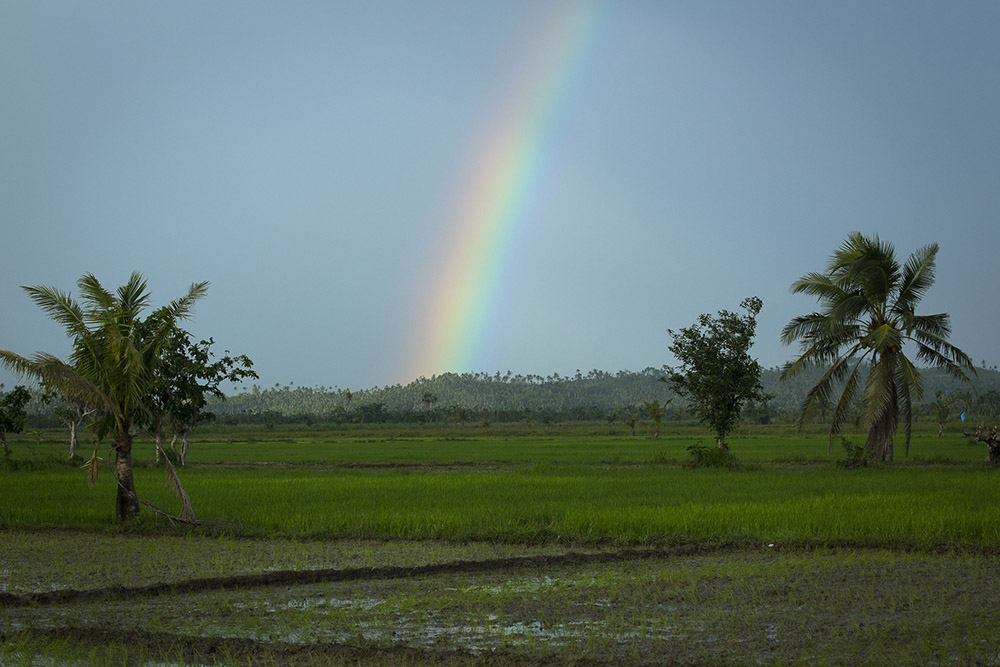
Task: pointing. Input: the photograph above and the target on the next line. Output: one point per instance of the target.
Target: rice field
(386, 548)
(919, 507)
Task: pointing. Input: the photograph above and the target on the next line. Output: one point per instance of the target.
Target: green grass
(920, 506)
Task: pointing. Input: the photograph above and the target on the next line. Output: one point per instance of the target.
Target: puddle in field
(425, 629)
(475, 638)
(22, 589)
(359, 604)
(532, 585)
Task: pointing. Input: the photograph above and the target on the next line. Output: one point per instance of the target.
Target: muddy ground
(422, 602)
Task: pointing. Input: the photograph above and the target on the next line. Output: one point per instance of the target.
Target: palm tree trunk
(881, 430)
(879, 443)
(127, 502)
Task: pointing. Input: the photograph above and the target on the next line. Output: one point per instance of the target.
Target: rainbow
(459, 321)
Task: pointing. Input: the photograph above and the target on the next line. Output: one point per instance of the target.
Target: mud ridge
(213, 650)
(430, 466)
(297, 577)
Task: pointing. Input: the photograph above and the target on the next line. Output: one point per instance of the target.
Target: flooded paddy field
(210, 600)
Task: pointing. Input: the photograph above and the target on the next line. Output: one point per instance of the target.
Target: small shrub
(857, 457)
(700, 456)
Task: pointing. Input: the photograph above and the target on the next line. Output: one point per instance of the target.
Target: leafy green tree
(717, 374)
(867, 314)
(185, 374)
(371, 413)
(12, 413)
(989, 403)
(114, 352)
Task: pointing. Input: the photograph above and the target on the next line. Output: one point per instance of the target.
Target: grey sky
(304, 157)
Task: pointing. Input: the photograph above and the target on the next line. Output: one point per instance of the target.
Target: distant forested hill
(787, 396)
(596, 392)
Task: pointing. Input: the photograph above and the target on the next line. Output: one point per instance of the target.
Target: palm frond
(59, 306)
(133, 297)
(17, 364)
(821, 392)
(182, 307)
(802, 327)
(851, 307)
(858, 249)
(933, 349)
(880, 388)
(68, 380)
(917, 278)
(793, 368)
(97, 298)
(908, 386)
(937, 326)
(908, 377)
(847, 394)
(818, 285)
(822, 335)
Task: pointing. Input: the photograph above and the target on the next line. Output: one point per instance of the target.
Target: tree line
(591, 397)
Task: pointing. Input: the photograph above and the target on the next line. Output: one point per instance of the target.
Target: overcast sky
(307, 159)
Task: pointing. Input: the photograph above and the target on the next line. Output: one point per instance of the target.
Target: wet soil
(226, 650)
(293, 577)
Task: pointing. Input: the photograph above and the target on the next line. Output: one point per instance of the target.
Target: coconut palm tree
(110, 366)
(866, 318)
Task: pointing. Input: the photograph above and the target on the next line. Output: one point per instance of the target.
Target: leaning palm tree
(114, 351)
(866, 317)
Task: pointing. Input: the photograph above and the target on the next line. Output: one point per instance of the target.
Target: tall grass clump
(700, 456)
